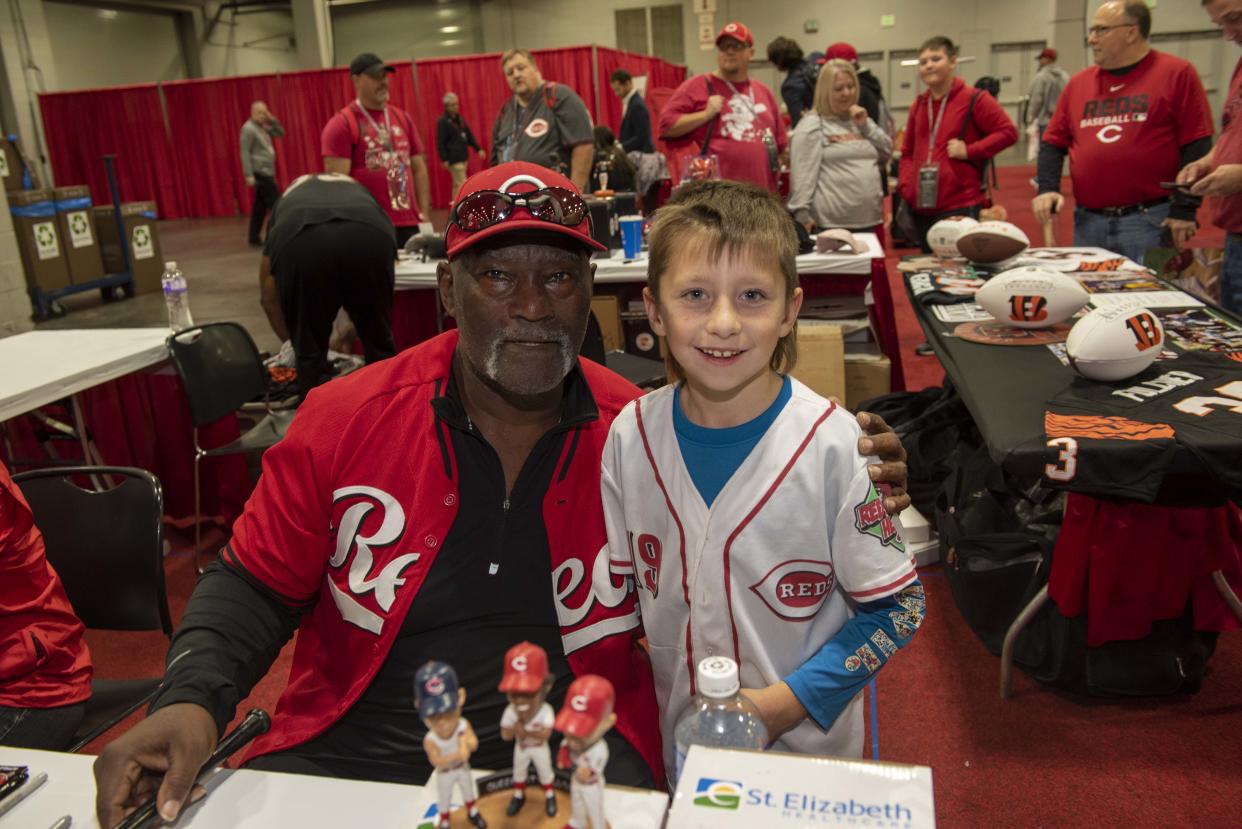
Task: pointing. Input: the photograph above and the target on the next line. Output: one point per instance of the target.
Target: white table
(41, 367)
(244, 799)
(412, 274)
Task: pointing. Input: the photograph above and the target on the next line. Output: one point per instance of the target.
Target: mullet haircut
(719, 219)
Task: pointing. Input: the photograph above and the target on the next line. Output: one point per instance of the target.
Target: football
(1114, 343)
(989, 242)
(942, 238)
(1031, 297)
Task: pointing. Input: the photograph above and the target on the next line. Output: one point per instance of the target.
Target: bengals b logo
(1146, 331)
(1028, 308)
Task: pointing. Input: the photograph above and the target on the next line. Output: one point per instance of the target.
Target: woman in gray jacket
(837, 155)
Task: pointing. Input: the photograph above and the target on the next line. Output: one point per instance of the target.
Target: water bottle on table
(176, 298)
(719, 716)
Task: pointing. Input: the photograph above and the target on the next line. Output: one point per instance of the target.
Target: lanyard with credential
(935, 126)
(384, 134)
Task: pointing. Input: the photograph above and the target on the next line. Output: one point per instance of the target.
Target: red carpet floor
(1040, 759)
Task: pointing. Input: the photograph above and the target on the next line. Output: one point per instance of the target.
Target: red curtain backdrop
(481, 91)
(177, 143)
(205, 118)
(127, 121)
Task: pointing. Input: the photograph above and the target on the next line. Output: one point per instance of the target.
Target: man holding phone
(1128, 123)
(1219, 173)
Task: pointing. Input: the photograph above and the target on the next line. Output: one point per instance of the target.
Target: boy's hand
(777, 706)
(882, 441)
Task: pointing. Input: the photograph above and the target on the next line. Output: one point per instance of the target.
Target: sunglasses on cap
(485, 208)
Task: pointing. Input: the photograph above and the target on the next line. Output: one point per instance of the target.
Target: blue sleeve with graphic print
(826, 682)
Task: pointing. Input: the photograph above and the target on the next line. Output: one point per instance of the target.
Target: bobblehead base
(496, 789)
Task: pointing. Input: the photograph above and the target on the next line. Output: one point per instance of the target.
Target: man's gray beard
(491, 365)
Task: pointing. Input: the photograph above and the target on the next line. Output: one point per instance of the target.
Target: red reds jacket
(961, 182)
(351, 511)
(44, 662)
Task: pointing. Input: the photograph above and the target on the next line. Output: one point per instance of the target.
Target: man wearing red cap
(446, 501)
(1045, 89)
(729, 114)
(378, 144)
(584, 719)
(528, 721)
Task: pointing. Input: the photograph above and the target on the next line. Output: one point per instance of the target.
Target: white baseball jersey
(459, 777)
(762, 576)
(528, 751)
(586, 800)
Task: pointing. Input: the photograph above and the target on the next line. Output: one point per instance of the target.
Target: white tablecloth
(413, 274)
(39, 367)
(244, 799)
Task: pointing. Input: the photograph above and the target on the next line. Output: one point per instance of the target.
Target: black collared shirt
(466, 614)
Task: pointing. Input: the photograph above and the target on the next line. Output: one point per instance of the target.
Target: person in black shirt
(329, 246)
(801, 74)
(609, 156)
(635, 119)
(454, 140)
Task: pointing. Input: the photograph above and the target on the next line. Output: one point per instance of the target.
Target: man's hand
(777, 706)
(165, 752)
(1195, 170)
(1225, 180)
(1180, 230)
(883, 442)
(250, 181)
(956, 149)
(1045, 204)
(715, 103)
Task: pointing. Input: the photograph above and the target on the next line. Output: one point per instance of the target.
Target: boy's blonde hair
(726, 218)
(823, 86)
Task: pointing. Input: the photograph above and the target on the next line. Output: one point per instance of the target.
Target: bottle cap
(170, 265)
(718, 677)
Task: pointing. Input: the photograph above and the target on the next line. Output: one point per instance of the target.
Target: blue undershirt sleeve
(826, 682)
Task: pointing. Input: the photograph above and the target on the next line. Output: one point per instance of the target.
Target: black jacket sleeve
(1185, 206)
(1048, 167)
(231, 633)
(442, 139)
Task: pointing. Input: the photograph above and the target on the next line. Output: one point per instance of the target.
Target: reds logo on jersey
(1145, 330)
(572, 608)
(795, 590)
(871, 518)
(647, 552)
(356, 548)
(537, 127)
(1028, 308)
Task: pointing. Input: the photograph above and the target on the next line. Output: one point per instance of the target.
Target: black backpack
(989, 85)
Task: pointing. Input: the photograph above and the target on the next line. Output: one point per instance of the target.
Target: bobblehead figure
(450, 740)
(584, 720)
(528, 721)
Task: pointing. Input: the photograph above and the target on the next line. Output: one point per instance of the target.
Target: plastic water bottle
(176, 298)
(719, 716)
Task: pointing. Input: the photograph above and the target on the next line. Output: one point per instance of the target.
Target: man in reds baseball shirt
(1128, 123)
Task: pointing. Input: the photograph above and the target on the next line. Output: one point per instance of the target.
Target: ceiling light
(448, 30)
(108, 14)
(454, 42)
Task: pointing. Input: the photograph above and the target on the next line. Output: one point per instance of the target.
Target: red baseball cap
(526, 669)
(1049, 53)
(587, 702)
(738, 32)
(515, 177)
(840, 51)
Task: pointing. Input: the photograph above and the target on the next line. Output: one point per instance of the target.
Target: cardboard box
(38, 239)
(77, 230)
(608, 314)
(140, 236)
(640, 340)
(10, 165)
(865, 379)
(821, 358)
(720, 788)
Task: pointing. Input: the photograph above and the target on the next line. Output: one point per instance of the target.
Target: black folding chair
(221, 371)
(108, 549)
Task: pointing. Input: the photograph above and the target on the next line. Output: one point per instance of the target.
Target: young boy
(735, 496)
(450, 740)
(584, 719)
(528, 720)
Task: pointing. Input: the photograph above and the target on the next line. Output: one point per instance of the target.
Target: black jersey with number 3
(1123, 439)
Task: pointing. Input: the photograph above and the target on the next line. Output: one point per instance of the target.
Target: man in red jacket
(952, 132)
(442, 504)
(45, 668)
